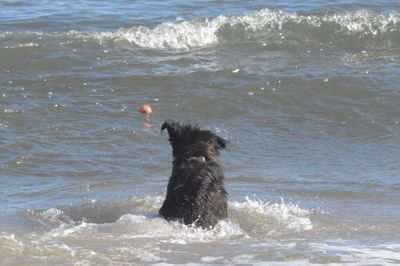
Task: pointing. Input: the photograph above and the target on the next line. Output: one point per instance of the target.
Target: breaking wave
(262, 217)
(266, 26)
(131, 231)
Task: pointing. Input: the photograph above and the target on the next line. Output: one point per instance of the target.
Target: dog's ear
(172, 127)
(209, 136)
(221, 143)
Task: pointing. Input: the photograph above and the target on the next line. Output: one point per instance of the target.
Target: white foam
(189, 34)
(9, 242)
(22, 45)
(45, 217)
(67, 230)
(175, 232)
(197, 33)
(210, 259)
(206, 32)
(287, 215)
(182, 35)
(362, 21)
(52, 214)
(144, 222)
(354, 254)
(10, 111)
(142, 237)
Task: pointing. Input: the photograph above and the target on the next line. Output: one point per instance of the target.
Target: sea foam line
(204, 32)
(200, 33)
(285, 214)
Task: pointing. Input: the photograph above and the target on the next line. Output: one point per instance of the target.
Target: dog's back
(195, 193)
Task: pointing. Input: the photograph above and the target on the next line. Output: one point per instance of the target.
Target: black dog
(195, 193)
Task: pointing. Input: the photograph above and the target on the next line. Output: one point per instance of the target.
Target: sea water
(307, 94)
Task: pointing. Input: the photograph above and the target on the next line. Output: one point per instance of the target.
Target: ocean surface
(307, 93)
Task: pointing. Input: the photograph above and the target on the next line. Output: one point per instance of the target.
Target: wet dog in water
(195, 193)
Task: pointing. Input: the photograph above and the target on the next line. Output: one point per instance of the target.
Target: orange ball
(145, 109)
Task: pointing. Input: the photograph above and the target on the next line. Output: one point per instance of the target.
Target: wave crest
(184, 35)
(264, 25)
(268, 27)
(267, 217)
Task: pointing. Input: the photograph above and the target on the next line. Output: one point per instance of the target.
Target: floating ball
(145, 109)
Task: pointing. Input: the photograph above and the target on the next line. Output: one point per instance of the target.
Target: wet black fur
(195, 193)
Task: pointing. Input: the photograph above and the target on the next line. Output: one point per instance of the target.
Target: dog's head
(191, 144)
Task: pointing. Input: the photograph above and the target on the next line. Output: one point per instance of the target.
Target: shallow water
(307, 96)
